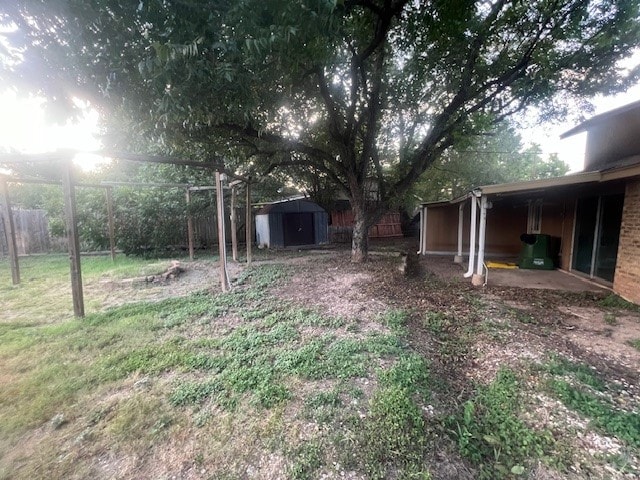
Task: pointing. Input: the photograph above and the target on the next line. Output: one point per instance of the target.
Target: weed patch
(490, 433)
(410, 373)
(394, 435)
(615, 301)
(610, 319)
(307, 459)
(140, 418)
(396, 320)
(581, 389)
(635, 343)
(603, 415)
(323, 407)
(257, 358)
(560, 366)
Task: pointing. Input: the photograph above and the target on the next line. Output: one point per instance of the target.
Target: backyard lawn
(311, 368)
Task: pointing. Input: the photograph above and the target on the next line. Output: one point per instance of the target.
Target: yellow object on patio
(501, 265)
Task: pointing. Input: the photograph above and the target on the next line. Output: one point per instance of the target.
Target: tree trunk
(360, 241)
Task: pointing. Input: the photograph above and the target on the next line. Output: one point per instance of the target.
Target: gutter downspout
(478, 278)
(458, 257)
(472, 233)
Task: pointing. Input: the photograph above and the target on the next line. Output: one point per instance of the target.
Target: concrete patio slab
(443, 267)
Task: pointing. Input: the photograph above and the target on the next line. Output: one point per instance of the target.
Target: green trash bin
(536, 252)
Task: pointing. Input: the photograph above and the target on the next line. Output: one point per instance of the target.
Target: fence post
(222, 247)
(73, 236)
(9, 231)
(189, 224)
(234, 233)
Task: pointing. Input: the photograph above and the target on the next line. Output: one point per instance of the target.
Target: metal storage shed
(291, 223)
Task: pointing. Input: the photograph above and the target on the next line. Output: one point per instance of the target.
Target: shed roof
(290, 206)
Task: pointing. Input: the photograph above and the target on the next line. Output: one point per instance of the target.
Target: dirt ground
(542, 322)
(565, 321)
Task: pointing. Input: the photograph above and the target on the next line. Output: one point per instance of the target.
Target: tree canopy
(495, 157)
(359, 92)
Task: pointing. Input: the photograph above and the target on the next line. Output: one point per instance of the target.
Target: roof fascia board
(453, 201)
(538, 185)
(620, 173)
(578, 178)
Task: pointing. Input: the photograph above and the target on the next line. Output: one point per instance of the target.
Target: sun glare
(24, 129)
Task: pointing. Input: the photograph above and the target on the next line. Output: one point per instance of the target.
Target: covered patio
(445, 269)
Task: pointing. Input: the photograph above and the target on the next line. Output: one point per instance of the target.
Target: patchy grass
(47, 279)
(244, 384)
(137, 377)
(602, 413)
(490, 432)
(617, 302)
(580, 388)
(560, 366)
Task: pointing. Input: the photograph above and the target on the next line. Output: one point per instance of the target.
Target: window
(534, 222)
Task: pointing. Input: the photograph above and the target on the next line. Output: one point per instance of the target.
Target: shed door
(298, 229)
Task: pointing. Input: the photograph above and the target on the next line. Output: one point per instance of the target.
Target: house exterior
(291, 223)
(592, 217)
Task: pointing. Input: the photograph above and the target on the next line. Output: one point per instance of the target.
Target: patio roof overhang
(632, 169)
(481, 199)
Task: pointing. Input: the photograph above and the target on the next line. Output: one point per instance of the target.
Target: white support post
(424, 238)
(472, 235)
(458, 257)
(422, 232)
(478, 278)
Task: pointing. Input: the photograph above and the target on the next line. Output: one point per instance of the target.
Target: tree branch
(317, 158)
(306, 163)
(336, 120)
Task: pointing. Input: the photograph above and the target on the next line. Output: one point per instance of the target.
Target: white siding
(262, 231)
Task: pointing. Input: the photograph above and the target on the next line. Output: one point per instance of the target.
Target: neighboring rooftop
(599, 119)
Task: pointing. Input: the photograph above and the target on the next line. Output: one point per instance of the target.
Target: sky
(571, 149)
(24, 127)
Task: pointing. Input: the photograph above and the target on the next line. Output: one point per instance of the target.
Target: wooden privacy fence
(32, 233)
(205, 229)
(31, 230)
(341, 228)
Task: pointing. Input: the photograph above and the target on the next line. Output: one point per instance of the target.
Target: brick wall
(627, 278)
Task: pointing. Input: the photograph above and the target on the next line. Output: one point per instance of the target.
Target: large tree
(368, 93)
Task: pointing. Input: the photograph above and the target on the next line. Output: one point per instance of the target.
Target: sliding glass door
(597, 233)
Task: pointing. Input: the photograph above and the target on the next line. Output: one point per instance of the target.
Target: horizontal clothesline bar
(65, 155)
